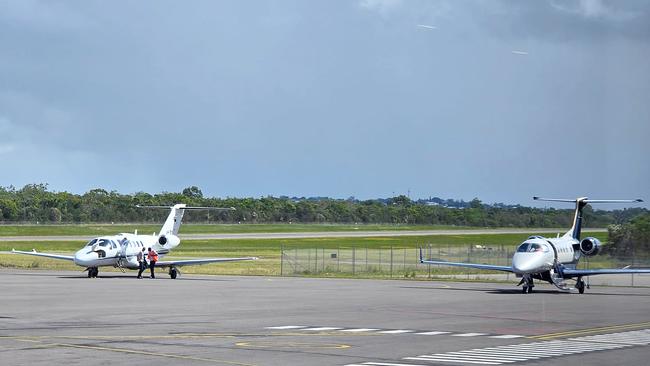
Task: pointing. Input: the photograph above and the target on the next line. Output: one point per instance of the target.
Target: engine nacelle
(590, 246)
(169, 241)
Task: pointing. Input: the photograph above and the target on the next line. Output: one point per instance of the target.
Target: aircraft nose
(81, 257)
(527, 262)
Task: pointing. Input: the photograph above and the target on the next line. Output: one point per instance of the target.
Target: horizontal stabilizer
(585, 200)
(190, 207)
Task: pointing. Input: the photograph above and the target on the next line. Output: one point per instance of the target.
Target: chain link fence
(395, 262)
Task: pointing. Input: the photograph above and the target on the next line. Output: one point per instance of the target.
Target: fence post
(338, 259)
(391, 261)
(366, 260)
(354, 257)
(430, 258)
(281, 260)
(469, 248)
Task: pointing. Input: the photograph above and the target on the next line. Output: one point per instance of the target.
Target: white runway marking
(358, 330)
(288, 327)
(393, 331)
(432, 333)
(523, 352)
(468, 334)
(396, 331)
(321, 328)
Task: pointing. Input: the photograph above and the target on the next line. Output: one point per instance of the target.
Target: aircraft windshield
(532, 248)
(104, 243)
(90, 243)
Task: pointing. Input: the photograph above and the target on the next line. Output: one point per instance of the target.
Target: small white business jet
(121, 250)
(553, 259)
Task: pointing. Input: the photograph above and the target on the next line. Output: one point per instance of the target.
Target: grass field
(108, 229)
(268, 250)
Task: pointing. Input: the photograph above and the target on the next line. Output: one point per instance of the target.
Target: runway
(49, 317)
(306, 235)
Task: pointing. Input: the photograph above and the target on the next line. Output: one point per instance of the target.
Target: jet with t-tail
(121, 250)
(554, 260)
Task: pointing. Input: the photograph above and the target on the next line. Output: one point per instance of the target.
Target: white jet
(121, 250)
(553, 260)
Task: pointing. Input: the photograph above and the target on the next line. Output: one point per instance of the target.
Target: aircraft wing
(467, 265)
(194, 262)
(471, 265)
(591, 272)
(47, 255)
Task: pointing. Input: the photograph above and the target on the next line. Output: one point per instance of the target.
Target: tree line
(630, 239)
(36, 203)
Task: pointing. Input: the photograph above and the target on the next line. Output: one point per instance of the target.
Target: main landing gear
(580, 285)
(93, 272)
(173, 272)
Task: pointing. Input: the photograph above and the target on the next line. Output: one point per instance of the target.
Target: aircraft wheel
(90, 272)
(173, 273)
(530, 289)
(524, 289)
(581, 287)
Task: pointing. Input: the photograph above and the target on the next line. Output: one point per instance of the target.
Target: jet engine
(169, 241)
(590, 246)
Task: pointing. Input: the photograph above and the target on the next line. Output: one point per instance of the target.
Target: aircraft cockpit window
(90, 243)
(532, 248)
(537, 248)
(104, 243)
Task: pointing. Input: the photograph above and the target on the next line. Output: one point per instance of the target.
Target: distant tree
(55, 214)
(9, 209)
(193, 192)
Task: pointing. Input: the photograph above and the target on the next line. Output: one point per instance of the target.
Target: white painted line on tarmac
(443, 359)
(396, 331)
(468, 335)
(508, 336)
(392, 364)
(288, 327)
(432, 333)
(359, 330)
(320, 328)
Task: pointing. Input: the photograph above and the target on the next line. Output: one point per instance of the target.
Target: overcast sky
(500, 100)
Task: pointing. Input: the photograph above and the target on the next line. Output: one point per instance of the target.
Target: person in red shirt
(153, 258)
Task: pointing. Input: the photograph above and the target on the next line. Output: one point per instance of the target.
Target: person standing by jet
(153, 258)
(141, 263)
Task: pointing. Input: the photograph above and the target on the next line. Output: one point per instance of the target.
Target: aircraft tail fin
(580, 203)
(173, 222)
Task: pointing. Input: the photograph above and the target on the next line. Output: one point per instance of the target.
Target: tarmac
(51, 317)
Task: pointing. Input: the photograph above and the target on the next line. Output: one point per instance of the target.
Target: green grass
(267, 249)
(108, 229)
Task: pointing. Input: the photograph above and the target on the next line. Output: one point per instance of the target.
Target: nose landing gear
(92, 272)
(528, 284)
